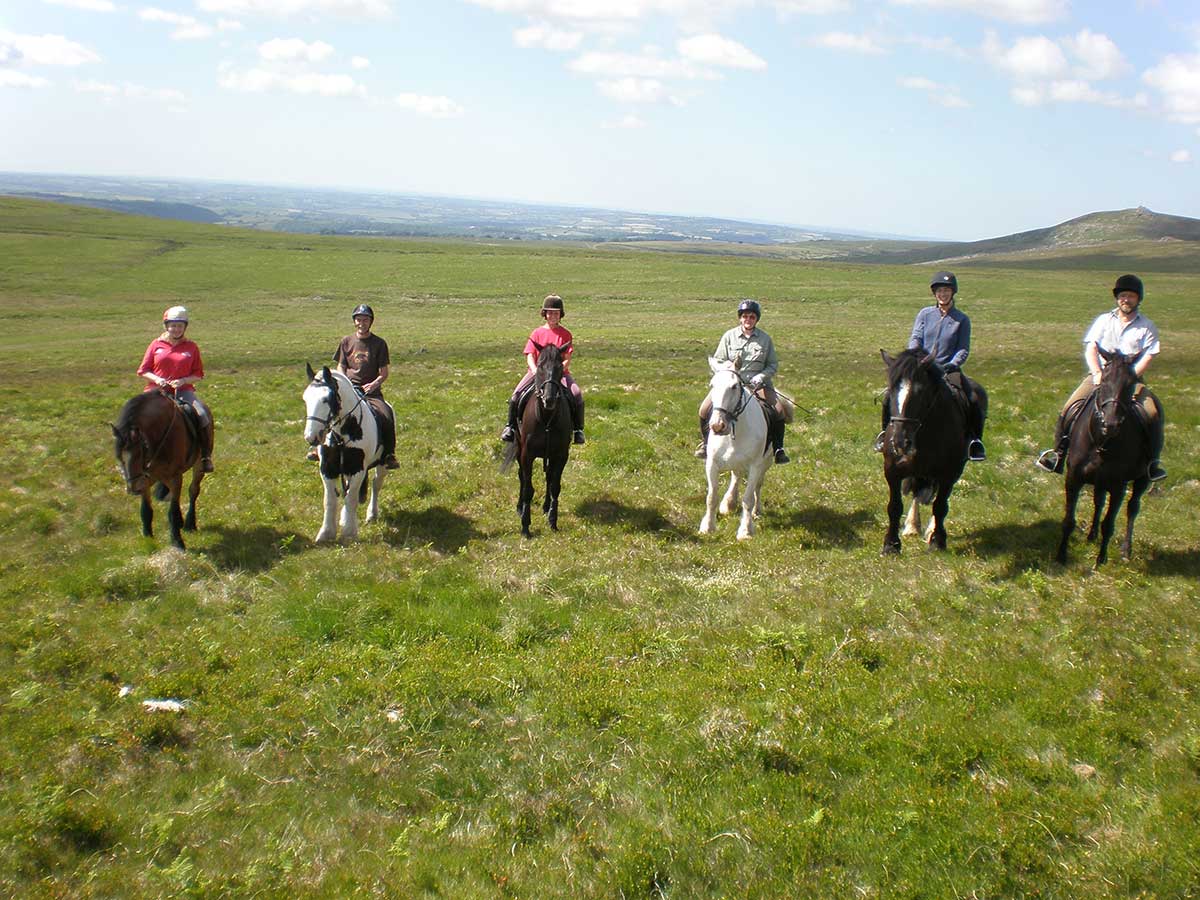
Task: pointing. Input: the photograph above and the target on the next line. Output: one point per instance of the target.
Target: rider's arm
(1142, 364)
(771, 364)
(964, 344)
(1091, 355)
(378, 382)
(531, 362)
(917, 340)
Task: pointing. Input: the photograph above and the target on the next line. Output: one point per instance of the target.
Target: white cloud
(187, 28)
(1181, 156)
(1177, 78)
(1020, 12)
(1099, 57)
(359, 62)
(645, 65)
(635, 90)
(88, 5)
(44, 50)
(229, 25)
(594, 13)
(294, 50)
(257, 81)
(547, 37)
(1029, 58)
(11, 79)
(434, 107)
(133, 91)
(938, 93)
(714, 50)
(97, 87)
(628, 122)
(841, 40)
(811, 7)
(919, 84)
(363, 9)
(1029, 96)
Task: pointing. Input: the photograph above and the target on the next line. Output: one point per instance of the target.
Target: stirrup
(206, 465)
(509, 434)
(975, 451)
(390, 461)
(1155, 471)
(579, 439)
(781, 457)
(879, 441)
(1047, 461)
(701, 451)
(313, 455)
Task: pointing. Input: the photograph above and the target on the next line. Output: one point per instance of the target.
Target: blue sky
(944, 118)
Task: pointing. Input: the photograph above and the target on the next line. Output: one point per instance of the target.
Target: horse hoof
(890, 550)
(322, 538)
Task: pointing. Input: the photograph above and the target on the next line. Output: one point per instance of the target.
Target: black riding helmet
(553, 301)
(363, 310)
(749, 306)
(1130, 283)
(942, 278)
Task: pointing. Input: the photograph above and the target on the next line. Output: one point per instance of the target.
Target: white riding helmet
(176, 314)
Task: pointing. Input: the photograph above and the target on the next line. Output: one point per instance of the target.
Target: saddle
(191, 420)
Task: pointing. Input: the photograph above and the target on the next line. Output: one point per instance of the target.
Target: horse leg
(174, 513)
(525, 497)
(730, 501)
(329, 520)
(1073, 487)
(912, 524)
(1131, 510)
(189, 523)
(1098, 497)
(350, 507)
(941, 506)
(1115, 495)
(754, 479)
(891, 540)
(147, 514)
(376, 485)
(553, 487)
(710, 500)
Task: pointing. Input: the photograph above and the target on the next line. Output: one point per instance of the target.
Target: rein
(743, 401)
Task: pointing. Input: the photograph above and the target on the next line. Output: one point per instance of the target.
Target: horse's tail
(161, 491)
(510, 456)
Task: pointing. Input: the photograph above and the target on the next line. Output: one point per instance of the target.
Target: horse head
(1114, 394)
(547, 379)
(914, 380)
(322, 403)
(131, 449)
(728, 398)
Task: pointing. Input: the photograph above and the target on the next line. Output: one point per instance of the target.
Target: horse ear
(713, 364)
(325, 375)
(1107, 355)
(888, 359)
(116, 433)
(312, 376)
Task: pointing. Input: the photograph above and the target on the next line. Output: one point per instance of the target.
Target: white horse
(737, 443)
(340, 420)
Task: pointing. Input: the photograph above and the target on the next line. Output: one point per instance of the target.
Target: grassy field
(621, 709)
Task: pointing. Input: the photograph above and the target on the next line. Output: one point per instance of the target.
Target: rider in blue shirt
(943, 331)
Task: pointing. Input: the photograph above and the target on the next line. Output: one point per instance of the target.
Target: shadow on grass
(1026, 546)
(253, 549)
(1171, 562)
(604, 511)
(437, 526)
(831, 527)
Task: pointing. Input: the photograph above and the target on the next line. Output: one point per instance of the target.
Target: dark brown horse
(155, 443)
(1108, 449)
(544, 431)
(925, 444)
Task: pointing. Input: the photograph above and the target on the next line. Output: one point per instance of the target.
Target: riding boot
(387, 441)
(206, 435)
(1155, 433)
(509, 434)
(577, 421)
(702, 450)
(776, 433)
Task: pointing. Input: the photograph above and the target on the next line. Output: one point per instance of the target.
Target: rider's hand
(758, 380)
(1095, 378)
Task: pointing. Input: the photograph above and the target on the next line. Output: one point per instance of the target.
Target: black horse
(925, 444)
(1108, 449)
(156, 442)
(544, 431)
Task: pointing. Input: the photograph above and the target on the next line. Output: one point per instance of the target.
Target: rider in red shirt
(550, 333)
(172, 365)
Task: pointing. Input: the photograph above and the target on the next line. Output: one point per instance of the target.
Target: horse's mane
(908, 365)
(549, 357)
(133, 409)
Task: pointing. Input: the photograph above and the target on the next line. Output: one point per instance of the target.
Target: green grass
(621, 709)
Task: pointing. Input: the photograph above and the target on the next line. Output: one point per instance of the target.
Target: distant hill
(182, 212)
(1093, 230)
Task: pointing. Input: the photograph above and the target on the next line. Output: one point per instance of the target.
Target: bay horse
(339, 420)
(543, 431)
(737, 443)
(925, 444)
(1108, 449)
(155, 444)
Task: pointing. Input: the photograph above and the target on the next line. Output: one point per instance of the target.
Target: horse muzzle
(718, 426)
(137, 485)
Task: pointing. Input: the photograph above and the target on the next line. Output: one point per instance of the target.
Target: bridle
(149, 457)
(333, 421)
(744, 398)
